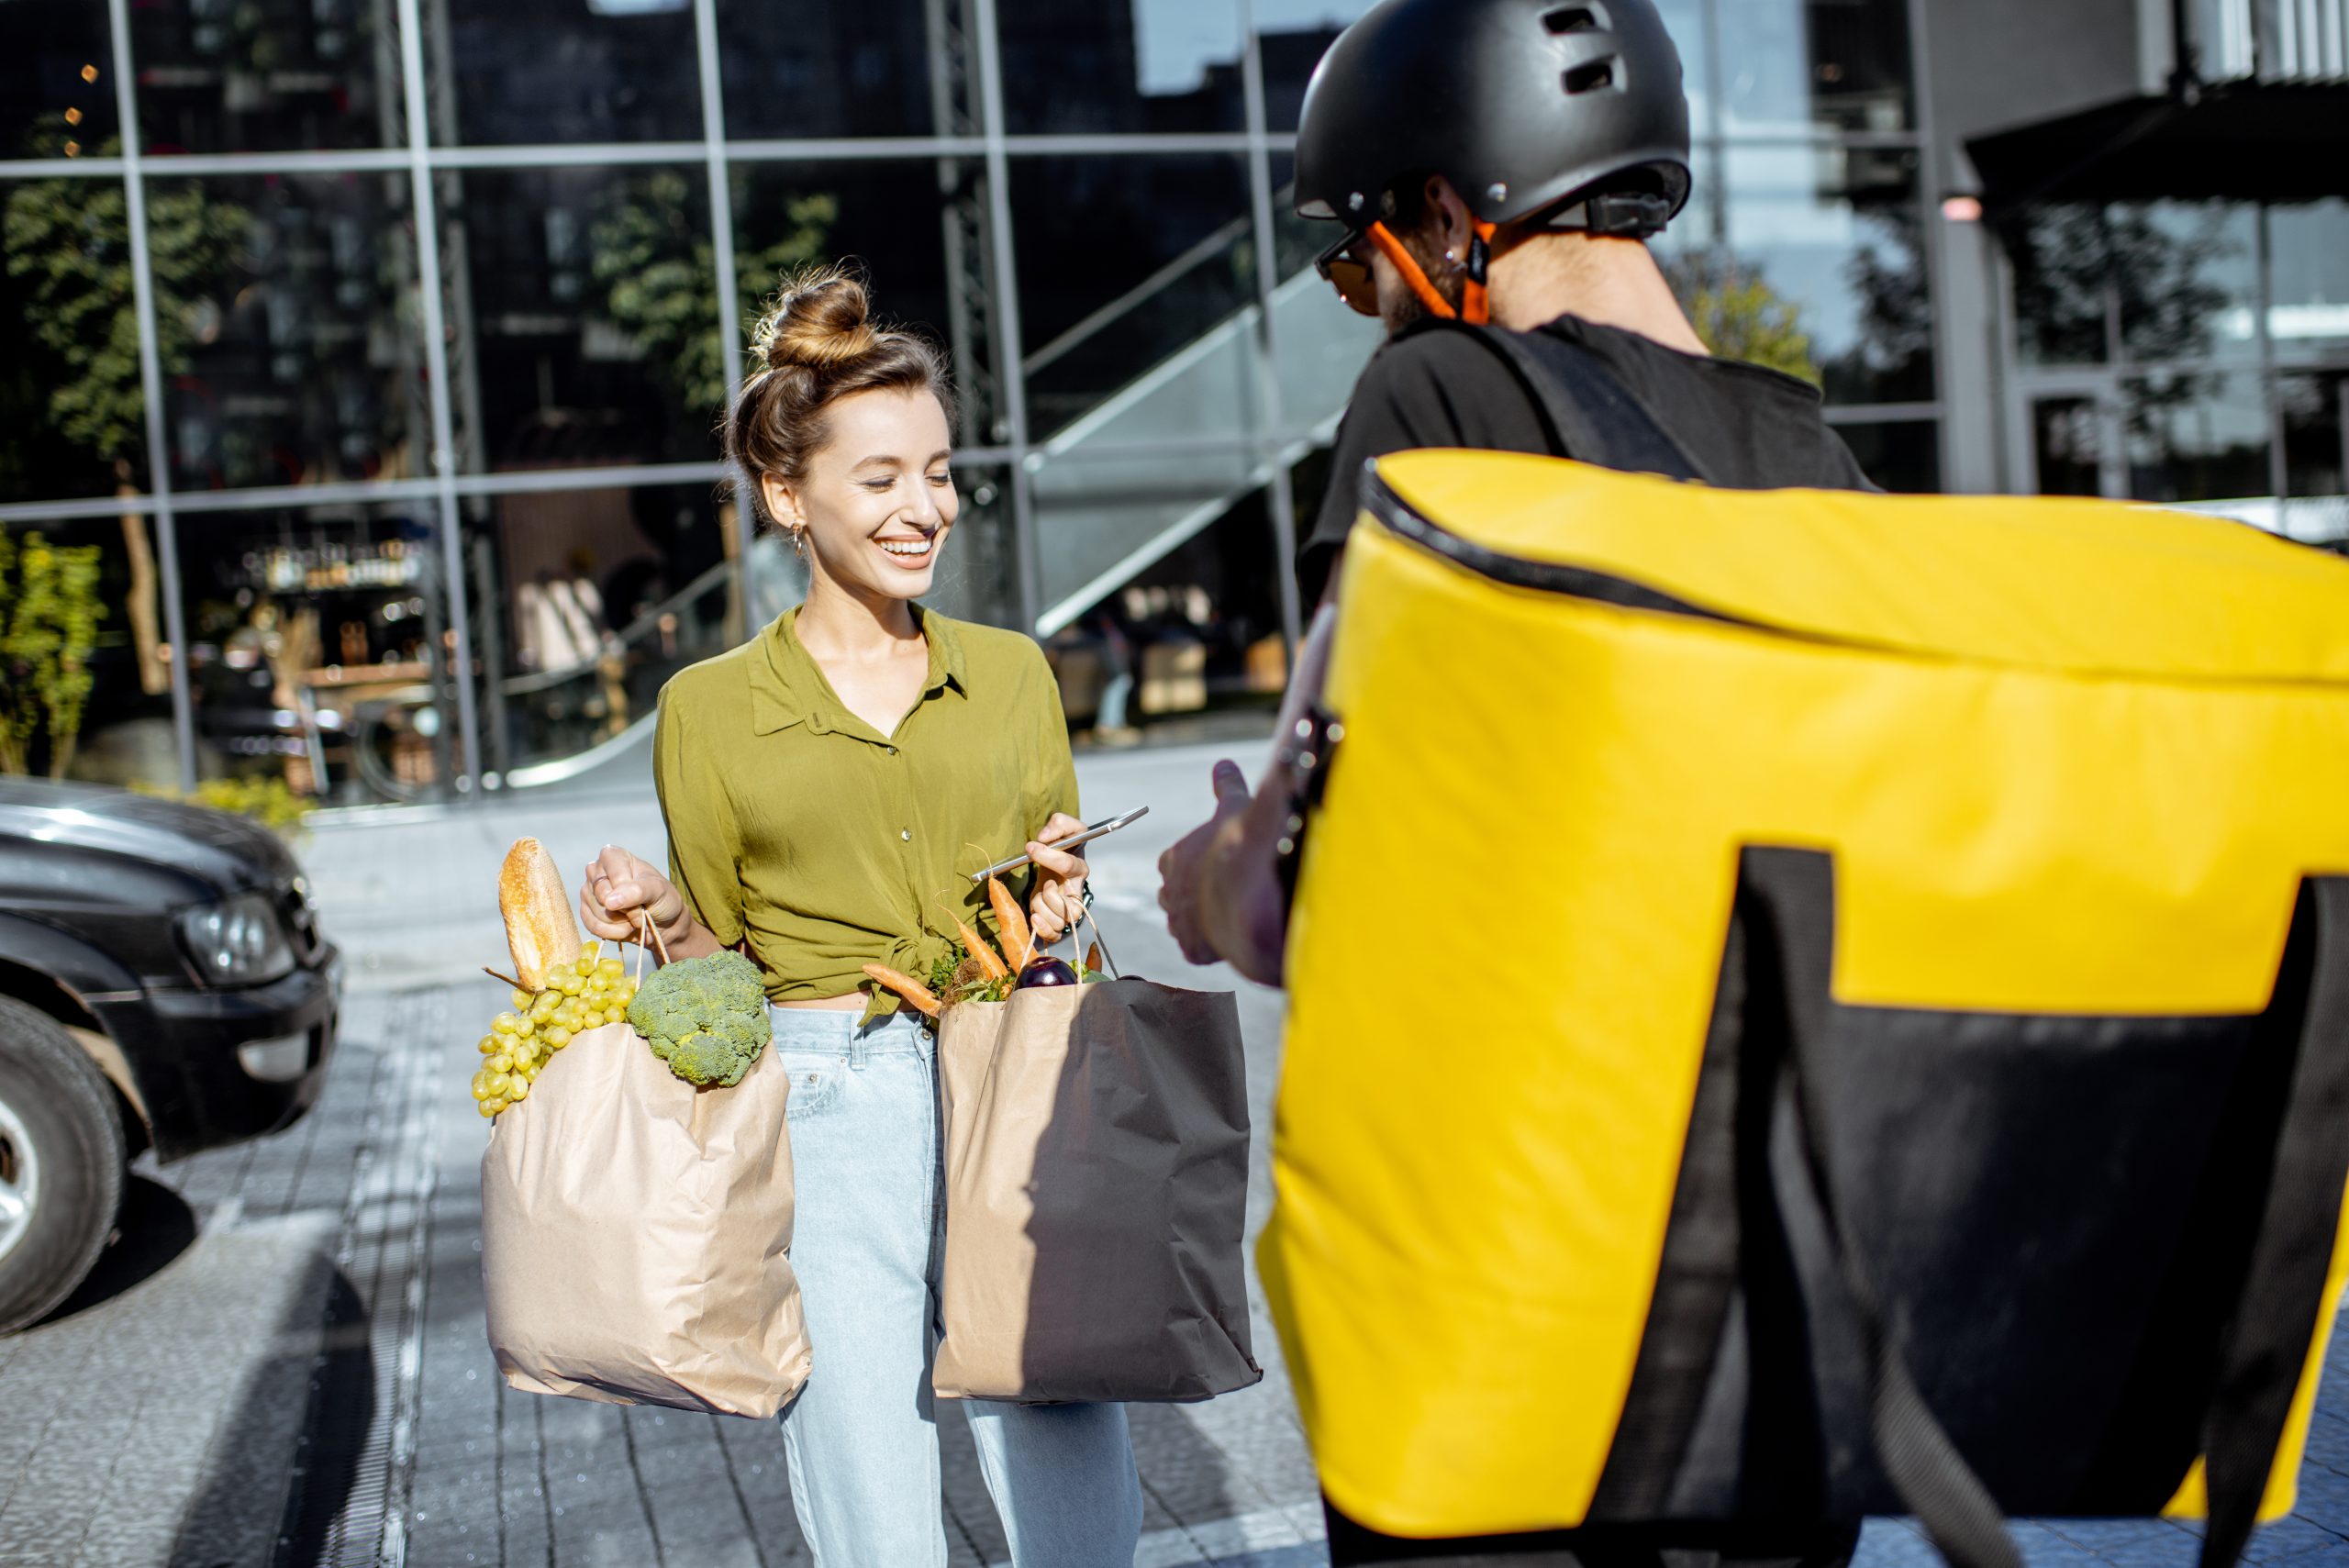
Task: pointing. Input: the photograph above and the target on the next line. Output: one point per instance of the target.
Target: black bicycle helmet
(1519, 104)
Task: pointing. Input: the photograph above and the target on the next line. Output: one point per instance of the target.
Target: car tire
(61, 1160)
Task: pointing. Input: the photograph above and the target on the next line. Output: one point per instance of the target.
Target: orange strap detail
(1404, 264)
(1476, 309)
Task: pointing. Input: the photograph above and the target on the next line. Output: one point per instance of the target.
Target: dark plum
(1046, 970)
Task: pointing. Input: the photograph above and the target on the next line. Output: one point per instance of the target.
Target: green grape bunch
(579, 996)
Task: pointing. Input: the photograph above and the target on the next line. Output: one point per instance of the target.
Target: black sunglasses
(1349, 273)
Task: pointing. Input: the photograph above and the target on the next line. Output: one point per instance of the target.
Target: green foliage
(1740, 317)
(266, 799)
(69, 242)
(659, 273)
(706, 1018)
(48, 621)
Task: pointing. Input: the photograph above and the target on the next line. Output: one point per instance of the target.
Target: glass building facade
(378, 345)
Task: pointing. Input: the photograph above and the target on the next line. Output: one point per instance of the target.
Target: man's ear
(1455, 225)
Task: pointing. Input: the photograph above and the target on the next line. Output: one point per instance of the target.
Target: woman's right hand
(619, 888)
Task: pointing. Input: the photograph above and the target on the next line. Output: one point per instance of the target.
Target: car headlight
(238, 942)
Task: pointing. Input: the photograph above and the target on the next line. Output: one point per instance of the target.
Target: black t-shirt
(1744, 426)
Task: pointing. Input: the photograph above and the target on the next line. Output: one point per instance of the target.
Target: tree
(49, 622)
(67, 240)
(1739, 316)
(659, 274)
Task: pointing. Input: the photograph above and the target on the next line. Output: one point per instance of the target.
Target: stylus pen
(1108, 825)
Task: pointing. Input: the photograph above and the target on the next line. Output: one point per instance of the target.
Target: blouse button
(891, 749)
(907, 834)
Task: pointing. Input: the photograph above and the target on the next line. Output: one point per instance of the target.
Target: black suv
(163, 985)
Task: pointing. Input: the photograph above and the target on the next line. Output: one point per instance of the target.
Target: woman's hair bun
(817, 320)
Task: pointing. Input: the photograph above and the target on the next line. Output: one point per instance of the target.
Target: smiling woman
(828, 788)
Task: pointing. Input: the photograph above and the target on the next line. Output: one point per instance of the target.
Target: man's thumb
(1229, 782)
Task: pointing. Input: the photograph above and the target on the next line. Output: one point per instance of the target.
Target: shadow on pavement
(156, 1226)
(287, 1459)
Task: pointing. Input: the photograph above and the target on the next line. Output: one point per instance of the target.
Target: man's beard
(1407, 306)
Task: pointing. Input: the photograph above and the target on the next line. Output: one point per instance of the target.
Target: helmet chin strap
(1475, 308)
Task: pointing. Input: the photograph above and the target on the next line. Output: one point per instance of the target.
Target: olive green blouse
(794, 824)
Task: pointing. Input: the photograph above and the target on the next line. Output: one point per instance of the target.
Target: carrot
(991, 967)
(905, 985)
(1093, 959)
(1017, 938)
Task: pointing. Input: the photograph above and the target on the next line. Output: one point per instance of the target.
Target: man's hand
(1219, 885)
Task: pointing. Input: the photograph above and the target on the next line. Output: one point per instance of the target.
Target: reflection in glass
(1291, 38)
(2159, 281)
(300, 361)
(1101, 519)
(1823, 267)
(318, 651)
(1133, 274)
(2310, 247)
(839, 69)
(588, 299)
(2316, 433)
(122, 731)
(558, 71)
(2067, 445)
(1791, 66)
(2196, 437)
(71, 415)
(586, 602)
(898, 221)
(979, 578)
(1902, 456)
(266, 75)
(1121, 66)
(1197, 628)
(56, 79)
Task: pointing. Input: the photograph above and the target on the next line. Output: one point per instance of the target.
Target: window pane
(555, 70)
(1134, 273)
(585, 602)
(266, 75)
(584, 306)
(797, 70)
(1100, 520)
(2316, 444)
(73, 420)
(125, 734)
(292, 349)
(1121, 66)
(1320, 345)
(1903, 457)
(56, 79)
(2310, 247)
(1792, 65)
(2175, 281)
(318, 651)
(2197, 437)
(1293, 34)
(897, 222)
(1195, 631)
(1825, 269)
(2067, 443)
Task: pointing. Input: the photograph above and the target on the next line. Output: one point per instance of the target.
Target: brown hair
(815, 345)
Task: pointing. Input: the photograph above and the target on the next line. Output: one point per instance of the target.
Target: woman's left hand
(1060, 881)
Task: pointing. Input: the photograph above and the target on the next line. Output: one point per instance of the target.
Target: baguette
(539, 928)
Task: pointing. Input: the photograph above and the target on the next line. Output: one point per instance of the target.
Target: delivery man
(1499, 162)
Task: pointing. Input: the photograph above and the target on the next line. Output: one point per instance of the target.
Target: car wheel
(61, 1164)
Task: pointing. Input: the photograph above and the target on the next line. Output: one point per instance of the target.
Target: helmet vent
(1591, 77)
(1575, 19)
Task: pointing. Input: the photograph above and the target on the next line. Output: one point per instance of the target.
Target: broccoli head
(706, 1018)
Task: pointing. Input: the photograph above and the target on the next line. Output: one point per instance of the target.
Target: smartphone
(1092, 830)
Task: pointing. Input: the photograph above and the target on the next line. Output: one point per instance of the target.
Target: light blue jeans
(867, 1173)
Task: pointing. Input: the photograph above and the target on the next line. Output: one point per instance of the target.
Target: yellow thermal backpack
(1807, 1004)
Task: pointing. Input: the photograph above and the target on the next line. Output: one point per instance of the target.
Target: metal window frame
(718, 156)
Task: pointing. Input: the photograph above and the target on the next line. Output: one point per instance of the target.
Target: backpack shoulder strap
(1591, 415)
